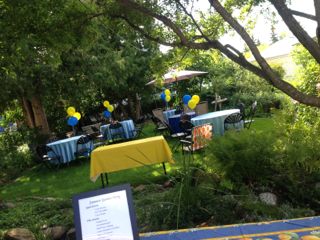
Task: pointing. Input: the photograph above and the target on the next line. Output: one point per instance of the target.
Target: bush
(16, 152)
(245, 157)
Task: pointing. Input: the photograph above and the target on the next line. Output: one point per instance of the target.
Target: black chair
(242, 107)
(249, 118)
(186, 127)
(48, 156)
(160, 127)
(117, 132)
(233, 121)
(177, 136)
(82, 149)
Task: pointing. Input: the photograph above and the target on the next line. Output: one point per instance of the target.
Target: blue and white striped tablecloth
(66, 148)
(128, 128)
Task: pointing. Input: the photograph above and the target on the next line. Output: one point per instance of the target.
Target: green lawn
(73, 179)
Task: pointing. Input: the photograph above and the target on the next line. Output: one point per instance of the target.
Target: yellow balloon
(106, 104)
(196, 98)
(192, 104)
(110, 108)
(77, 115)
(71, 111)
(168, 98)
(167, 92)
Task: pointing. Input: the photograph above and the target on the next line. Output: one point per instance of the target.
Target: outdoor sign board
(105, 214)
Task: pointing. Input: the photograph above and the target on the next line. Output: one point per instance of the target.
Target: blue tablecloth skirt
(128, 128)
(216, 119)
(174, 121)
(168, 113)
(66, 148)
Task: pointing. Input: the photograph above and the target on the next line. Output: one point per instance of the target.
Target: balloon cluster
(191, 101)
(166, 95)
(74, 116)
(109, 110)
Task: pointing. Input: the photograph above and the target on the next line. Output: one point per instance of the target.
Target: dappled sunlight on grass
(23, 179)
(74, 178)
(155, 173)
(35, 190)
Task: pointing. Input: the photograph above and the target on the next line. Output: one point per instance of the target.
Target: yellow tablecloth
(126, 155)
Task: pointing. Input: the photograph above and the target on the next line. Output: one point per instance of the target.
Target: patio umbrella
(175, 76)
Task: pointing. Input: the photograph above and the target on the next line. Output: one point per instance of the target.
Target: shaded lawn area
(73, 179)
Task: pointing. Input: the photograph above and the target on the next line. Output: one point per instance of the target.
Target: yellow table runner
(126, 155)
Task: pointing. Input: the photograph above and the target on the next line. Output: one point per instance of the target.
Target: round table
(128, 128)
(66, 148)
(214, 118)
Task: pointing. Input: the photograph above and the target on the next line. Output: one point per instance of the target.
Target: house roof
(278, 49)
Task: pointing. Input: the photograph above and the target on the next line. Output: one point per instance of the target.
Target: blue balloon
(106, 114)
(72, 121)
(186, 99)
(163, 96)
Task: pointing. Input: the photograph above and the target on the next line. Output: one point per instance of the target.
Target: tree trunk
(138, 107)
(131, 107)
(35, 115)
(27, 112)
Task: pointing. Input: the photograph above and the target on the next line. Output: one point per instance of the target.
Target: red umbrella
(175, 76)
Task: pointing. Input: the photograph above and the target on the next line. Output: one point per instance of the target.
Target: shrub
(244, 157)
(16, 152)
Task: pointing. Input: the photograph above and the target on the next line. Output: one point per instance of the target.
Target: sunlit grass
(74, 178)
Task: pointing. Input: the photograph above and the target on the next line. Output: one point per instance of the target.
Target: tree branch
(193, 20)
(270, 75)
(296, 29)
(265, 71)
(302, 14)
(166, 21)
(211, 44)
(317, 10)
(145, 34)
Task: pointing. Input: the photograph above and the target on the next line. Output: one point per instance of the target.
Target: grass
(73, 179)
(155, 206)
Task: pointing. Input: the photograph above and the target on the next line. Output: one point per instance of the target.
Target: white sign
(105, 217)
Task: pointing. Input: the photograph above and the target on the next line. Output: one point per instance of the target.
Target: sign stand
(107, 213)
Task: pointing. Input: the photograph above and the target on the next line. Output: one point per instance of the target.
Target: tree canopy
(178, 23)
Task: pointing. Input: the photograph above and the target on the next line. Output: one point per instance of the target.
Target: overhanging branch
(294, 26)
(302, 14)
(145, 34)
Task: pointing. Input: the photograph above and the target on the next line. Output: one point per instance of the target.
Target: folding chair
(200, 136)
(158, 113)
(249, 118)
(82, 149)
(117, 132)
(48, 156)
(233, 121)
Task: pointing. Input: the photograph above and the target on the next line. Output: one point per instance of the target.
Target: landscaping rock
(55, 233)
(4, 205)
(19, 234)
(71, 234)
(140, 188)
(168, 184)
(268, 198)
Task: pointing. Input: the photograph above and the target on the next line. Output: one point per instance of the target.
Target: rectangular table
(127, 155)
(277, 230)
